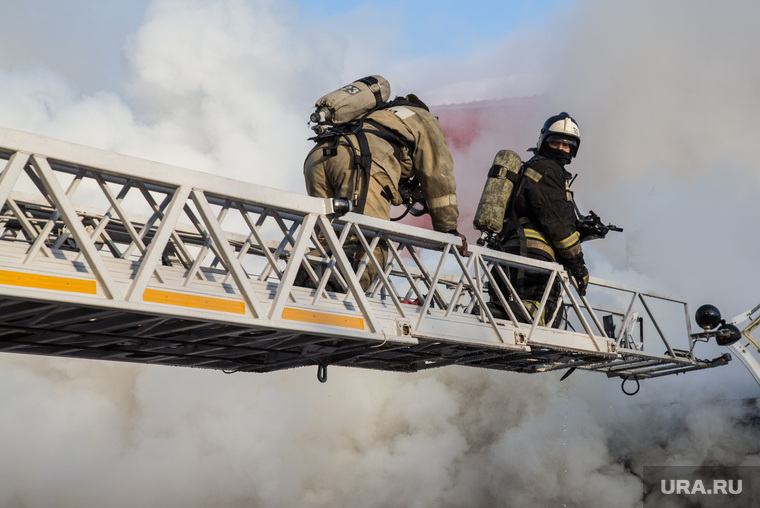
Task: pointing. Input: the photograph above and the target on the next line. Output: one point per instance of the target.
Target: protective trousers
(530, 287)
(333, 174)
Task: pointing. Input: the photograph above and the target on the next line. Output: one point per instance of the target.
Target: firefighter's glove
(463, 249)
(579, 272)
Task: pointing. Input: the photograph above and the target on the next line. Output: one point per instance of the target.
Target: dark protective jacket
(541, 224)
(544, 212)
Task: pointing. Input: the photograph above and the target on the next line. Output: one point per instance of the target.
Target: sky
(666, 98)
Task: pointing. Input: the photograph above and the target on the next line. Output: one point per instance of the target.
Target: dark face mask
(559, 156)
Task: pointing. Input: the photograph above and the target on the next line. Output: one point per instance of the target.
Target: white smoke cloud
(226, 87)
(223, 87)
(234, 80)
(671, 89)
(78, 40)
(666, 102)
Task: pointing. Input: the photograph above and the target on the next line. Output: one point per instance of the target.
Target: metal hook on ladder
(322, 373)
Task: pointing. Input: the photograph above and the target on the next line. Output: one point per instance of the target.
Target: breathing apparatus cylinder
(502, 179)
(349, 102)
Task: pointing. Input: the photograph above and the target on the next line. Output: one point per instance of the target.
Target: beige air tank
(501, 181)
(349, 102)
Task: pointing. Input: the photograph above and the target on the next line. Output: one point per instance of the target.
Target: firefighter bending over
(367, 146)
(541, 220)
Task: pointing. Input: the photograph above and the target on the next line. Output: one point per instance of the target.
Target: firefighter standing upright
(370, 147)
(541, 220)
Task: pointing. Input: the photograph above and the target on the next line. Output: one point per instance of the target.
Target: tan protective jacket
(419, 147)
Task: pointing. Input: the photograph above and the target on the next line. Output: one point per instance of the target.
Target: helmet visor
(562, 142)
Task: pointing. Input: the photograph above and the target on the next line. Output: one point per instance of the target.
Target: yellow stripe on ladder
(53, 282)
(194, 301)
(322, 318)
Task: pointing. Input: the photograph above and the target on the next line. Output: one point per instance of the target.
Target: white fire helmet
(563, 126)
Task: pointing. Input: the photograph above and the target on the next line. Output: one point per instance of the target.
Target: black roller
(727, 335)
(707, 317)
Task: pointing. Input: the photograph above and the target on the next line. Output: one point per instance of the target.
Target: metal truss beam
(116, 258)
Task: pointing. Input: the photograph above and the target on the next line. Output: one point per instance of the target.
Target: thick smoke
(665, 100)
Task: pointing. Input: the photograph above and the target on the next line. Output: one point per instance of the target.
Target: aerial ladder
(111, 257)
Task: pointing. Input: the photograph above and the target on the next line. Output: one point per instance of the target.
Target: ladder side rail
(684, 369)
(287, 249)
(426, 279)
(542, 303)
(465, 281)
(103, 237)
(70, 217)
(657, 326)
(408, 276)
(149, 261)
(276, 252)
(297, 258)
(489, 317)
(31, 231)
(362, 259)
(330, 270)
(370, 259)
(664, 369)
(625, 324)
(384, 280)
(403, 233)
(501, 260)
(42, 233)
(260, 241)
(149, 225)
(286, 242)
(158, 214)
(408, 242)
(72, 157)
(74, 166)
(382, 284)
(10, 173)
(115, 206)
(208, 245)
(672, 299)
(73, 186)
(346, 270)
(428, 289)
(295, 261)
(8, 177)
(627, 316)
(488, 268)
(479, 287)
(619, 286)
(433, 289)
(403, 270)
(577, 307)
(586, 305)
(224, 251)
